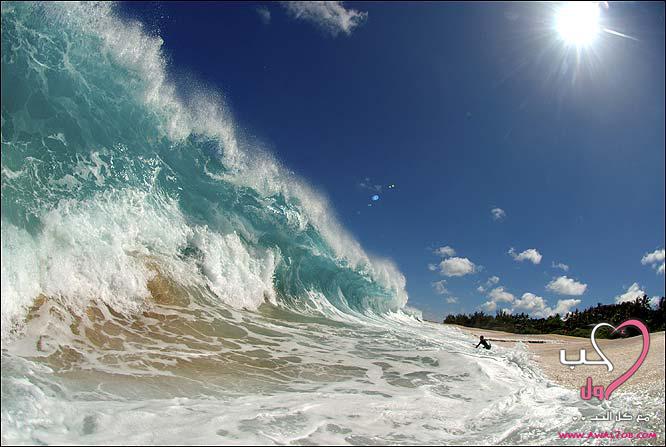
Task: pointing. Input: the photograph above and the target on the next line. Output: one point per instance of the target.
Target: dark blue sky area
(464, 107)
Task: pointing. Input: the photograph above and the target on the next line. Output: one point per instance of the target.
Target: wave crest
(110, 175)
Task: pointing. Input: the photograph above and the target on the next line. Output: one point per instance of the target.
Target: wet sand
(622, 352)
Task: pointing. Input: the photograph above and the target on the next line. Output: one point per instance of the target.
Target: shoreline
(623, 353)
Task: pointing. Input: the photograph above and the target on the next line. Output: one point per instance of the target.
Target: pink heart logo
(615, 384)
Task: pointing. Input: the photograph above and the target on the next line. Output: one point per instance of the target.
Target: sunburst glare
(578, 23)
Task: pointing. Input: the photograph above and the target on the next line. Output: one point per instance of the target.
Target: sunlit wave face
(578, 23)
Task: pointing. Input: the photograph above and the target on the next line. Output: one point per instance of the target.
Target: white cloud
(563, 307)
(445, 251)
(333, 17)
(457, 267)
(529, 303)
(499, 295)
(488, 284)
(264, 15)
(432, 267)
(654, 302)
(538, 307)
(560, 265)
(567, 286)
(654, 257)
(370, 186)
(489, 306)
(656, 260)
(533, 305)
(498, 213)
(440, 287)
(531, 254)
(634, 291)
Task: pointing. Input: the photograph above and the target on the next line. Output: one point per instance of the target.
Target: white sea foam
(239, 276)
(206, 113)
(109, 247)
(100, 362)
(398, 382)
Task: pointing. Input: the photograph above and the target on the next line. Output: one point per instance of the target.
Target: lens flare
(578, 23)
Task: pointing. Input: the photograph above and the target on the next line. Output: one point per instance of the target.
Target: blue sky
(466, 108)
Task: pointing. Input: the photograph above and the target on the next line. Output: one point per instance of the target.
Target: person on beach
(482, 341)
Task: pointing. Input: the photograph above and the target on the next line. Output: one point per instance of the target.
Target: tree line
(576, 323)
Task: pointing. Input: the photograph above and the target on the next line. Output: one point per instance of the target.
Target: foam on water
(272, 377)
(165, 281)
(100, 156)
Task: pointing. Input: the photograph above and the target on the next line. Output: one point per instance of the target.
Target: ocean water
(166, 281)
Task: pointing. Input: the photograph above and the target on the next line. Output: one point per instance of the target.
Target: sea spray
(105, 167)
(164, 281)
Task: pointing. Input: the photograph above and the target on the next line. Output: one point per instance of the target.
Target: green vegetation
(577, 324)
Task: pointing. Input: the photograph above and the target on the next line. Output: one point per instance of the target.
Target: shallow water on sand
(165, 281)
(178, 373)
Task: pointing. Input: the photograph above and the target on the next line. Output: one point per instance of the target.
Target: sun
(577, 23)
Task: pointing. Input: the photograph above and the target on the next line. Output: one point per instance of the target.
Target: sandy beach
(623, 353)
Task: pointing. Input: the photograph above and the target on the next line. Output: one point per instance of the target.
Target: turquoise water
(91, 130)
(164, 280)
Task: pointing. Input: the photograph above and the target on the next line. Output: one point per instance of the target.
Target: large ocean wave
(108, 176)
(166, 281)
